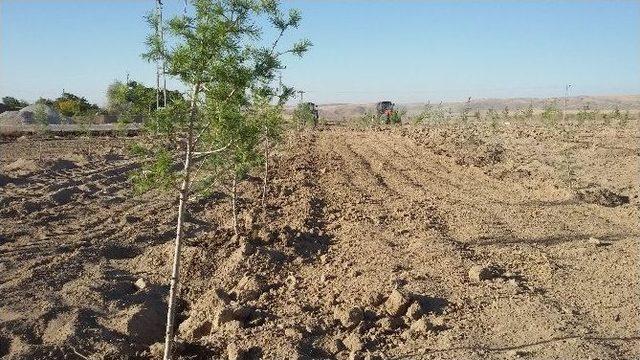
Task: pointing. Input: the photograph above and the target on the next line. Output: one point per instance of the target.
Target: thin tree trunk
(234, 199)
(175, 271)
(266, 174)
(182, 207)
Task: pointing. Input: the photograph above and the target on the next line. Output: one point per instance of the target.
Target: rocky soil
(443, 242)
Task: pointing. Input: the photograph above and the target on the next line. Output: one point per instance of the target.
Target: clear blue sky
(364, 50)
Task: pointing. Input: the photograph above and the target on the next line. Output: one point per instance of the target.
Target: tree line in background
(131, 100)
(67, 104)
(134, 102)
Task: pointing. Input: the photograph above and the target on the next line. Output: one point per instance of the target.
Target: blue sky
(407, 51)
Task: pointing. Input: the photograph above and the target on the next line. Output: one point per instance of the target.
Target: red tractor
(386, 112)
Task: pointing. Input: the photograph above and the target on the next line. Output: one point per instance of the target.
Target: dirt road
(396, 243)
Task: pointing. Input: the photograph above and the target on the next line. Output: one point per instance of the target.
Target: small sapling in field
(303, 115)
(477, 115)
(397, 115)
(624, 119)
(505, 113)
(464, 114)
(550, 114)
(426, 115)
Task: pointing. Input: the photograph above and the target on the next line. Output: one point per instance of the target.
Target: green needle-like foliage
(232, 108)
(303, 115)
(219, 54)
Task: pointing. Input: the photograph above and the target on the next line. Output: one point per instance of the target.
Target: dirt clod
(141, 284)
(293, 334)
(156, 350)
(62, 329)
(21, 167)
(353, 342)
(421, 326)
(375, 299)
(235, 353)
(223, 315)
(291, 281)
(335, 346)
(415, 311)
(397, 303)
(246, 248)
(349, 317)
(249, 288)
(391, 323)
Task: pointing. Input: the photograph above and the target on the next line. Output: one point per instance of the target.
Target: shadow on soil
(518, 347)
(313, 240)
(553, 239)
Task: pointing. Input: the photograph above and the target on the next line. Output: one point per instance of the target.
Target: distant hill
(336, 112)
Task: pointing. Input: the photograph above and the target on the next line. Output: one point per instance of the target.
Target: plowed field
(444, 242)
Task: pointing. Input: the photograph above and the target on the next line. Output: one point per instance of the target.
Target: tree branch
(211, 151)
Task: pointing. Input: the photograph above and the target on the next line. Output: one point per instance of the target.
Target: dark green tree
(14, 104)
(303, 115)
(134, 100)
(69, 104)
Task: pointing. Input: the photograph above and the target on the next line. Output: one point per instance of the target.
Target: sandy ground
(442, 242)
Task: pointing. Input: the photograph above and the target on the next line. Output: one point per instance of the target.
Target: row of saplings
(231, 116)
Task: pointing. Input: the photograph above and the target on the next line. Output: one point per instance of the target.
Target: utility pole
(301, 92)
(160, 63)
(566, 95)
(158, 4)
(164, 64)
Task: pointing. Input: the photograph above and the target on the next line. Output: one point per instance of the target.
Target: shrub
(505, 113)
(303, 115)
(527, 112)
(550, 113)
(396, 116)
(425, 115)
(133, 100)
(14, 104)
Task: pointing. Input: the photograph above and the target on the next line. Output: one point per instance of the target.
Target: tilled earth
(443, 242)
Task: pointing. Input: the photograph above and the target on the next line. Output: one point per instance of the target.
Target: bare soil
(445, 242)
